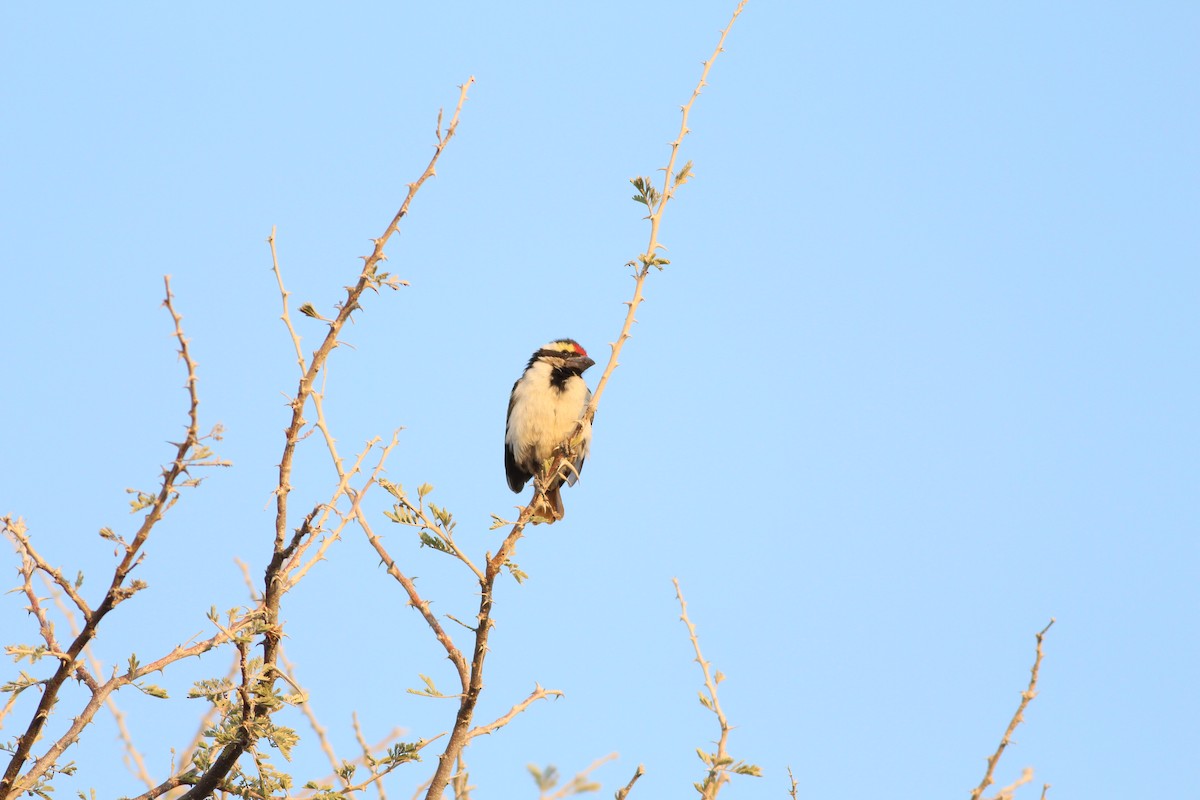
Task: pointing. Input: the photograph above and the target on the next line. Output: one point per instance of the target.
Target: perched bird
(546, 403)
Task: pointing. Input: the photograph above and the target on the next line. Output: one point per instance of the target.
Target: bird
(544, 409)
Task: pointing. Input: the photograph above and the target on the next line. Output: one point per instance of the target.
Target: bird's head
(564, 354)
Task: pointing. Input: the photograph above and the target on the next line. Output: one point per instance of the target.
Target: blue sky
(922, 373)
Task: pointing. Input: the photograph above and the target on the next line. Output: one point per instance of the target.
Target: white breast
(542, 418)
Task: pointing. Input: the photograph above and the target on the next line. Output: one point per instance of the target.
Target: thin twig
(1019, 717)
(133, 757)
(718, 773)
(275, 582)
(637, 773)
(579, 784)
(189, 453)
(656, 216)
(647, 260)
(538, 694)
(289, 670)
(1009, 791)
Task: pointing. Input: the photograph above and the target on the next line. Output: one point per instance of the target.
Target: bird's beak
(583, 362)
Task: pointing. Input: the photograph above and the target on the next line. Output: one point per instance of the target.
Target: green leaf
(682, 176)
(429, 691)
(546, 780)
(141, 500)
(22, 651)
(404, 752)
(515, 571)
(429, 540)
(23, 682)
(285, 739)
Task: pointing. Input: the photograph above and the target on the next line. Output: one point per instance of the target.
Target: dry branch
(1019, 717)
(188, 454)
(275, 582)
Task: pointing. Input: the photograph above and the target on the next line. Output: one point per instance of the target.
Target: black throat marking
(559, 377)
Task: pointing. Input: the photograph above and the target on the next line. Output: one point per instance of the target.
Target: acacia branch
(720, 761)
(189, 452)
(657, 205)
(627, 788)
(16, 528)
(537, 694)
(1019, 717)
(461, 734)
(416, 601)
(275, 582)
(1009, 791)
(671, 182)
(133, 757)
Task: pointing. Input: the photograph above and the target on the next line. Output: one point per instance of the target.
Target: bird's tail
(548, 508)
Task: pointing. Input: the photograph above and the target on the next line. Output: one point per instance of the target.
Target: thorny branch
(656, 202)
(720, 764)
(133, 757)
(191, 452)
(287, 565)
(627, 788)
(286, 552)
(537, 694)
(472, 680)
(1019, 717)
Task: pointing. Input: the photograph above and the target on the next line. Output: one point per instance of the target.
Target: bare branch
(1009, 791)
(537, 694)
(188, 453)
(649, 258)
(289, 672)
(637, 773)
(1019, 717)
(275, 582)
(416, 601)
(133, 757)
(16, 528)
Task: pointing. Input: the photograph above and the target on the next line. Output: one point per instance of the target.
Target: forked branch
(189, 453)
(275, 583)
